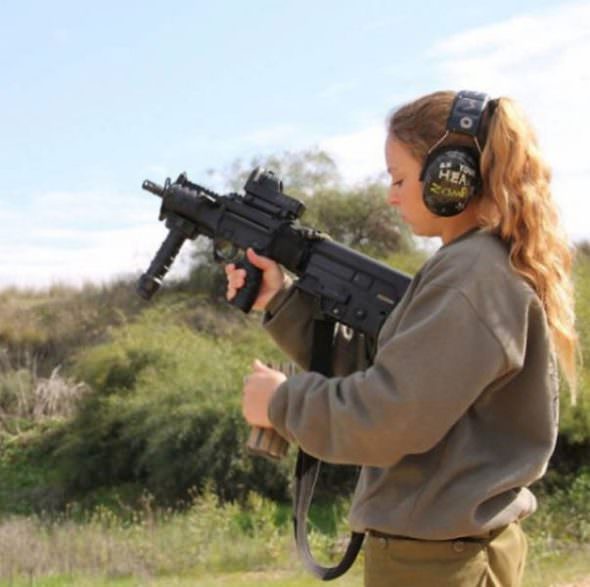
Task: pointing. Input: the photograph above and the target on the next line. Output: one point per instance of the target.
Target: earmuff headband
(467, 113)
(451, 173)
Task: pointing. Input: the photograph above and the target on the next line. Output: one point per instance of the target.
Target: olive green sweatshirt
(457, 413)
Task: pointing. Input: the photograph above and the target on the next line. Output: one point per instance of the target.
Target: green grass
(233, 544)
(243, 579)
(213, 545)
(549, 571)
(26, 478)
(558, 568)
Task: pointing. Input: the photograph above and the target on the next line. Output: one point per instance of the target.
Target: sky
(96, 97)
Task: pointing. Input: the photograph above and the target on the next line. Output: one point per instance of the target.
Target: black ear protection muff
(451, 173)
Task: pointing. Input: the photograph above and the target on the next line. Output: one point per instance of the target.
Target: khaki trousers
(497, 561)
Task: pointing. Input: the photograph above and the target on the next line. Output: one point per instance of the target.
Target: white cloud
(75, 237)
(358, 154)
(100, 207)
(540, 60)
(98, 256)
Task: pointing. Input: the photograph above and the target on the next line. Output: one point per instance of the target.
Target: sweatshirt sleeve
(426, 374)
(289, 319)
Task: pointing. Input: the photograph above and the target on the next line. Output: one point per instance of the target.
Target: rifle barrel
(152, 187)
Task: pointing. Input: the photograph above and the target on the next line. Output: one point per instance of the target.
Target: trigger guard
(220, 258)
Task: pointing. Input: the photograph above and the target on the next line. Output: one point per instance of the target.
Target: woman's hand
(274, 279)
(259, 387)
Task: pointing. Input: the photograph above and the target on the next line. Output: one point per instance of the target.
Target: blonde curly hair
(515, 202)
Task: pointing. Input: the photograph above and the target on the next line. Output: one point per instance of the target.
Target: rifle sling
(307, 470)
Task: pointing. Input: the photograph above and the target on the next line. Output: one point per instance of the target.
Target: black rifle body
(352, 288)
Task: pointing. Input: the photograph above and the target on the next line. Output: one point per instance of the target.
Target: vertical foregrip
(150, 281)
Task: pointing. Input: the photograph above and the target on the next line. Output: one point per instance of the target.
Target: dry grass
(203, 547)
(27, 397)
(54, 323)
(208, 537)
(31, 549)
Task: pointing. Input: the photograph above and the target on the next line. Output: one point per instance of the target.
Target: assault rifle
(350, 288)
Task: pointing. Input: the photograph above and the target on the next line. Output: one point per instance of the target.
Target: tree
(303, 172)
(360, 218)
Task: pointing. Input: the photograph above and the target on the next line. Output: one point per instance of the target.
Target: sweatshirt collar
(462, 236)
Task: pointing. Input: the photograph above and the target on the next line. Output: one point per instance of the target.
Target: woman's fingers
(258, 260)
(235, 277)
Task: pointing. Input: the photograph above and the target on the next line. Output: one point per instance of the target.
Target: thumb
(258, 365)
(258, 260)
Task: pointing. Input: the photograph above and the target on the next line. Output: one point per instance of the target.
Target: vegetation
(122, 443)
(241, 544)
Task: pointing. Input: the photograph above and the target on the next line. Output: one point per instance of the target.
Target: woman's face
(405, 192)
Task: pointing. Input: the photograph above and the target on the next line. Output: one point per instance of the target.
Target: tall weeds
(206, 537)
(26, 398)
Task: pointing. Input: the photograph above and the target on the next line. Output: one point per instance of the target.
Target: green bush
(573, 445)
(165, 413)
(564, 512)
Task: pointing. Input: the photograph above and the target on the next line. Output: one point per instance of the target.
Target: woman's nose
(393, 198)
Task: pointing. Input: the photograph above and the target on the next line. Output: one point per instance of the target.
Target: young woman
(456, 414)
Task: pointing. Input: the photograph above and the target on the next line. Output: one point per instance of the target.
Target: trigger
(224, 251)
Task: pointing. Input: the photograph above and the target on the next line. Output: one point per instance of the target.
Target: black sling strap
(307, 470)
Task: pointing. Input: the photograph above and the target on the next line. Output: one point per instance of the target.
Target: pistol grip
(246, 295)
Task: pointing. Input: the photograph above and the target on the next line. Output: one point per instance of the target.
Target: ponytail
(517, 205)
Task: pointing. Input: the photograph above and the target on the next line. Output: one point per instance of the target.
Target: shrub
(574, 439)
(564, 513)
(164, 412)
